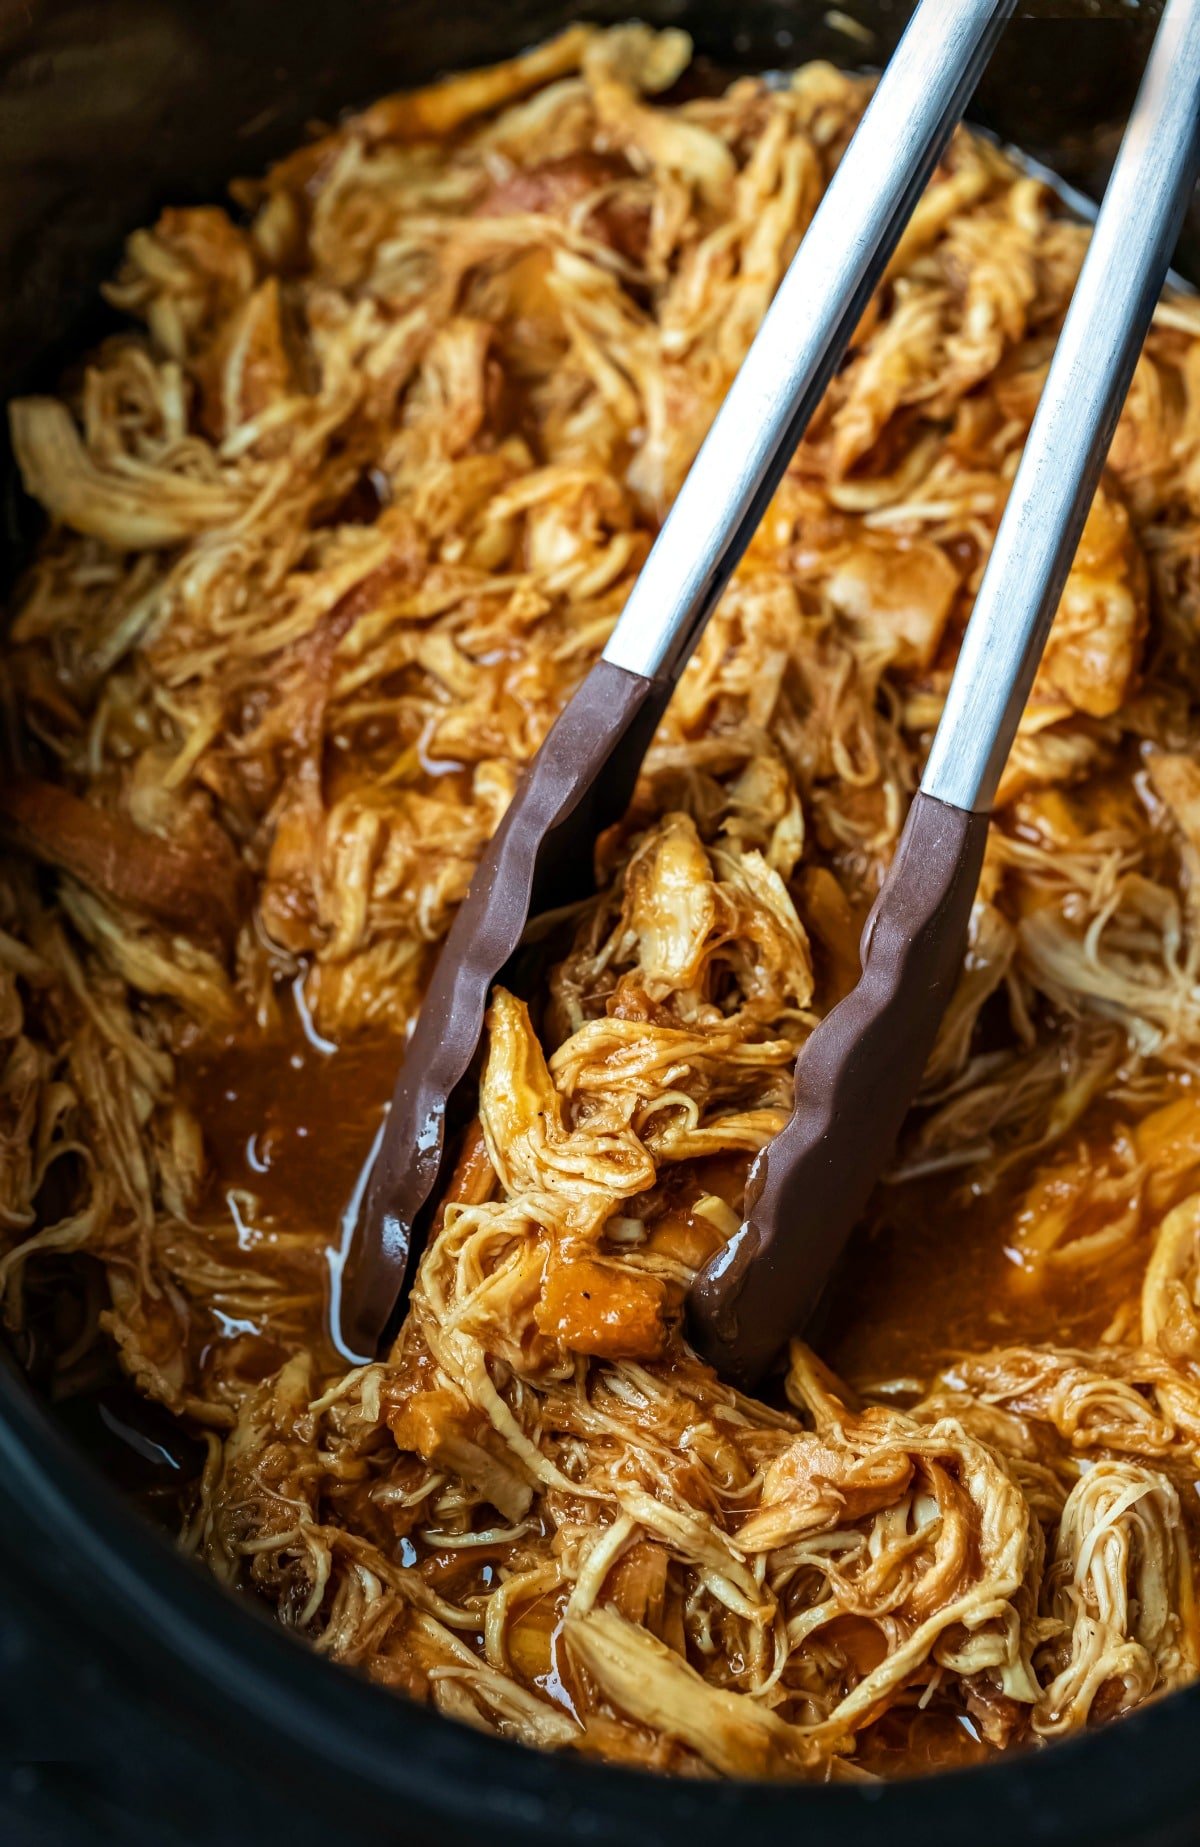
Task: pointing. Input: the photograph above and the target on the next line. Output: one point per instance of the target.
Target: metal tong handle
(860, 1069)
(806, 331)
(1093, 363)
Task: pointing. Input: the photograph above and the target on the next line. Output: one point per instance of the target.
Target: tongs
(860, 1069)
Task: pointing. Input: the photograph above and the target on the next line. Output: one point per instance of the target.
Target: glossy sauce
(289, 1122)
(934, 1274)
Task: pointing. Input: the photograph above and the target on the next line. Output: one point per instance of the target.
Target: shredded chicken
(335, 527)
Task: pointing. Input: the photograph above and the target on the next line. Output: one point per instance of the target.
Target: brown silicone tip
(854, 1082)
(541, 856)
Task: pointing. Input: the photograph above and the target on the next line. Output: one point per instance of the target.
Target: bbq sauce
(289, 1121)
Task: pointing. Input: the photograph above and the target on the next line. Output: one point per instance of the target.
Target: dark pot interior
(137, 1701)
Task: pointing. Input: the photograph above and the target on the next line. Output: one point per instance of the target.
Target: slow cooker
(139, 1702)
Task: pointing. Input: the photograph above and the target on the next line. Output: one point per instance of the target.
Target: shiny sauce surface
(289, 1122)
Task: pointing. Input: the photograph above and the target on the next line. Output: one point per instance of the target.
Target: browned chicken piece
(1175, 778)
(473, 1178)
(816, 1485)
(593, 1307)
(130, 510)
(584, 189)
(1095, 645)
(187, 275)
(440, 1425)
(1120, 1597)
(195, 891)
(1170, 1309)
(250, 369)
(897, 596)
(442, 107)
(835, 931)
(637, 1584)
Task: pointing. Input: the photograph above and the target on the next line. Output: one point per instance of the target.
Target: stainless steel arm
(1089, 376)
(806, 331)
